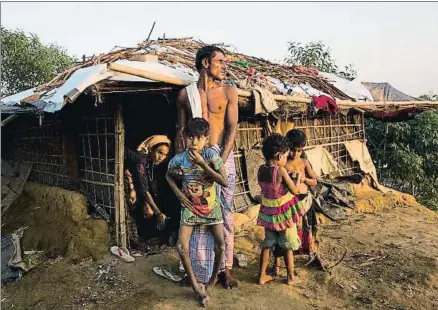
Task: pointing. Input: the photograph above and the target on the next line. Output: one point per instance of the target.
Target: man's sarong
(202, 242)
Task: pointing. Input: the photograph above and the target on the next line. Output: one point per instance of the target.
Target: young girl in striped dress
(280, 209)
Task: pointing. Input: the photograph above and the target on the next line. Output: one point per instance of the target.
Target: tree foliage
(317, 55)
(430, 96)
(27, 62)
(406, 155)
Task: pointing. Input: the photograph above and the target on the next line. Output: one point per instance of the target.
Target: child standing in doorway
(201, 170)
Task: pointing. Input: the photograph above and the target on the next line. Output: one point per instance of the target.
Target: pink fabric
(272, 190)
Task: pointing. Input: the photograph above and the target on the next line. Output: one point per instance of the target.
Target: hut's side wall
(250, 134)
(331, 132)
(96, 155)
(74, 150)
(42, 146)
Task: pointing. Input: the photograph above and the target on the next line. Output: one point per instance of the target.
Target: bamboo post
(155, 76)
(119, 201)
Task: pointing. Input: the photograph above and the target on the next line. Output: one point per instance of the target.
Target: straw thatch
(183, 51)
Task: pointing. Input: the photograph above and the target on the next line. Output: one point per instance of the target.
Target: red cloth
(325, 103)
(306, 241)
(395, 116)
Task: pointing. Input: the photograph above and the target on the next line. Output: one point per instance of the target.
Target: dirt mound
(369, 200)
(57, 223)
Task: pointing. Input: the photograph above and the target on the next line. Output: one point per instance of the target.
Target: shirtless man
(219, 108)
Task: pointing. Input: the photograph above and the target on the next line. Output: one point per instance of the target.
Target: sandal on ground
(165, 271)
(123, 254)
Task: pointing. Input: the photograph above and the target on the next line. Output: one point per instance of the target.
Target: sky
(394, 42)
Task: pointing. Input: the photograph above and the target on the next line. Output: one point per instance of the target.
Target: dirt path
(391, 263)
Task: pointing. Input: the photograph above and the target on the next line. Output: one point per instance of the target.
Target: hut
(72, 131)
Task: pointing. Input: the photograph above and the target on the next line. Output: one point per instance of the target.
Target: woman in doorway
(146, 218)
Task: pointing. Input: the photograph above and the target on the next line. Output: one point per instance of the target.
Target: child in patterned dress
(201, 170)
(280, 208)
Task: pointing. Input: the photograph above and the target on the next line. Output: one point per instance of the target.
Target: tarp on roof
(176, 60)
(355, 89)
(385, 92)
(83, 78)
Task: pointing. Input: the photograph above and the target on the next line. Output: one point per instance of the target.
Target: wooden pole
(9, 119)
(119, 201)
(343, 104)
(149, 75)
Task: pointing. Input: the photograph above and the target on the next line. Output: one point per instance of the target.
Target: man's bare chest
(217, 101)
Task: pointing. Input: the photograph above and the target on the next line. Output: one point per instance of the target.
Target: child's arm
(219, 176)
(288, 181)
(182, 198)
(309, 172)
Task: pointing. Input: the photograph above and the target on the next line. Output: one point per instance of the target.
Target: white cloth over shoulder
(194, 99)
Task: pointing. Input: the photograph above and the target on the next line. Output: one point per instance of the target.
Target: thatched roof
(182, 52)
(176, 62)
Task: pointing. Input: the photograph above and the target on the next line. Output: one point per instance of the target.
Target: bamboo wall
(328, 131)
(42, 146)
(84, 159)
(331, 132)
(76, 152)
(96, 156)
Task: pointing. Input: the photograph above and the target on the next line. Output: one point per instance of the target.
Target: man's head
(275, 148)
(196, 134)
(211, 59)
(297, 141)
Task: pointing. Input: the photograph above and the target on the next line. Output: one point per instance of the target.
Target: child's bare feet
(265, 279)
(227, 279)
(291, 280)
(202, 297)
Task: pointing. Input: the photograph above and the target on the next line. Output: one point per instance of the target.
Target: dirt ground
(390, 262)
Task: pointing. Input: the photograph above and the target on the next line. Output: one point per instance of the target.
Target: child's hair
(197, 127)
(296, 138)
(274, 144)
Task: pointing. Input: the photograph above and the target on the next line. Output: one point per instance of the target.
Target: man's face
(217, 66)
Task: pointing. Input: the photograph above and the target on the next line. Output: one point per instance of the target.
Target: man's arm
(231, 121)
(181, 111)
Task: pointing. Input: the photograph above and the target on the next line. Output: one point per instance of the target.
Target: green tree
(406, 155)
(317, 55)
(430, 96)
(27, 62)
